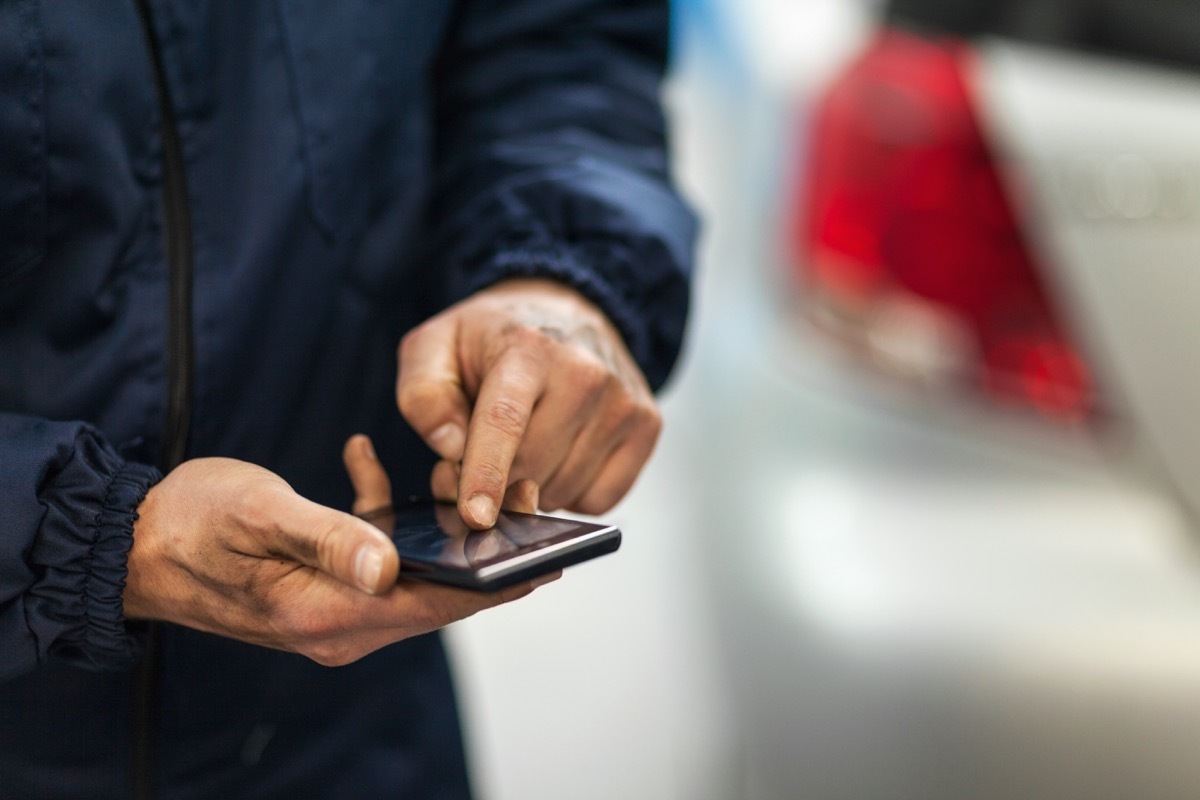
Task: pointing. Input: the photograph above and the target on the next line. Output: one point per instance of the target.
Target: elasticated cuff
(74, 609)
(106, 641)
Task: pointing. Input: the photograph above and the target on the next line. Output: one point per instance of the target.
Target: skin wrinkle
(552, 327)
(252, 601)
(293, 546)
(229, 588)
(554, 332)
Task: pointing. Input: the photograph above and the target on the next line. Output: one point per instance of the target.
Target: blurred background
(923, 521)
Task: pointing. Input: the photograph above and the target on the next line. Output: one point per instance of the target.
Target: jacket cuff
(106, 639)
(77, 609)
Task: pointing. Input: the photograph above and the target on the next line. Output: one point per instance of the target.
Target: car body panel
(1107, 155)
(919, 595)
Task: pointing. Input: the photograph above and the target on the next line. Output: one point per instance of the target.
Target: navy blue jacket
(351, 168)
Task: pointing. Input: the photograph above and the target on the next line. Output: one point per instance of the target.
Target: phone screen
(435, 544)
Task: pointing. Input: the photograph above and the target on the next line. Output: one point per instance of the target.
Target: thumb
(372, 489)
(341, 545)
(429, 389)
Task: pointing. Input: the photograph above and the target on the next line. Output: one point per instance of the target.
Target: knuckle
(531, 337)
(636, 416)
(601, 498)
(416, 397)
(593, 505)
(489, 477)
(331, 654)
(250, 510)
(411, 340)
(507, 417)
(592, 377)
(622, 412)
(325, 543)
(631, 406)
(650, 420)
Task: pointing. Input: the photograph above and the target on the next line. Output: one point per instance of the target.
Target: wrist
(552, 293)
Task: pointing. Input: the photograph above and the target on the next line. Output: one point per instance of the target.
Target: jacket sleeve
(552, 162)
(67, 507)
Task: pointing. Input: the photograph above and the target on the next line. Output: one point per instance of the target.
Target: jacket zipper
(177, 220)
(177, 232)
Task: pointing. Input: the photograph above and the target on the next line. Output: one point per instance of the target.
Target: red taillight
(909, 243)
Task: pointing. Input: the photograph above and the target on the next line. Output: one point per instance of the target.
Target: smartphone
(435, 545)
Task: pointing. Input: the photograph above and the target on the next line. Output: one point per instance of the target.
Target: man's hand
(227, 547)
(527, 381)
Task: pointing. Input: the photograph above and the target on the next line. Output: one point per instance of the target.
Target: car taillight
(908, 243)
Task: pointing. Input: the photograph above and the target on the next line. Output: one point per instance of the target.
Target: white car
(948, 387)
(919, 527)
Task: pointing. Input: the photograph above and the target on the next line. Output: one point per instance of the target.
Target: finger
(444, 604)
(372, 488)
(429, 606)
(557, 421)
(429, 388)
(616, 477)
(581, 466)
(576, 475)
(443, 482)
(411, 608)
(414, 607)
(626, 420)
(349, 549)
(522, 496)
(502, 410)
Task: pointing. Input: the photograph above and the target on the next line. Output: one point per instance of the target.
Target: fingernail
(448, 441)
(482, 509)
(368, 564)
(369, 449)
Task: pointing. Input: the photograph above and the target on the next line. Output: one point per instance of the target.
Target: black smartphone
(435, 545)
